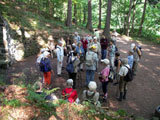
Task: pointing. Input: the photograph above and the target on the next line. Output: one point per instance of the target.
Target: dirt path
(143, 93)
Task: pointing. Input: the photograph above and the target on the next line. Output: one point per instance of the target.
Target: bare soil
(143, 92)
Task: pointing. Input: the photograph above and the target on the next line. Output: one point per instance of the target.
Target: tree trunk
(134, 12)
(108, 18)
(84, 15)
(129, 18)
(75, 14)
(69, 14)
(89, 22)
(100, 4)
(143, 17)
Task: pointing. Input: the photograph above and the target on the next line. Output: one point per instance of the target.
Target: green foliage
(39, 101)
(13, 103)
(122, 112)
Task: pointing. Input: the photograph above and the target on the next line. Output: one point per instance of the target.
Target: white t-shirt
(123, 70)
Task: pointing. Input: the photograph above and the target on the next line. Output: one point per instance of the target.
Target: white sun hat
(92, 86)
(132, 46)
(45, 54)
(70, 82)
(105, 61)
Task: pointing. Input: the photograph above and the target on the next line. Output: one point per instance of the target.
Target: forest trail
(143, 92)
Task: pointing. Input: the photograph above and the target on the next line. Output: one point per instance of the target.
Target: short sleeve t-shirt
(124, 70)
(105, 72)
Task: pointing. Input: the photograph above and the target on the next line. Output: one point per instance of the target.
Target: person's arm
(139, 53)
(119, 65)
(96, 97)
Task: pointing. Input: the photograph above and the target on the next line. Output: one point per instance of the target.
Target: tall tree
(84, 14)
(69, 14)
(75, 14)
(106, 31)
(143, 17)
(134, 12)
(129, 18)
(89, 22)
(100, 4)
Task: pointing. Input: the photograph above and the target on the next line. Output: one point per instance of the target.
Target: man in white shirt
(60, 55)
(123, 84)
(77, 37)
(97, 34)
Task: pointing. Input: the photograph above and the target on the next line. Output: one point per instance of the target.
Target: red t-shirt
(84, 44)
(70, 94)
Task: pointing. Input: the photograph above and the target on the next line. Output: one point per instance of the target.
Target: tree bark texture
(89, 22)
(129, 18)
(84, 15)
(69, 14)
(134, 12)
(143, 17)
(100, 4)
(75, 14)
(108, 18)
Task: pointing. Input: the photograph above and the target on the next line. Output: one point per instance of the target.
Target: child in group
(104, 77)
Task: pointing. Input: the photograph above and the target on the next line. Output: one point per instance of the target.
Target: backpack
(90, 98)
(129, 76)
(140, 48)
(89, 59)
(70, 66)
(43, 65)
(116, 49)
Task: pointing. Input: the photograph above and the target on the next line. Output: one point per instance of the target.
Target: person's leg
(112, 62)
(48, 81)
(87, 77)
(121, 84)
(92, 75)
(125, 90)
(135, 65)
(105, 54)
(58, 67)
(102, 53)
(74, 80)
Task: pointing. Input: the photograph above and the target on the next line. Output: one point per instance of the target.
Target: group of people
(86, 53)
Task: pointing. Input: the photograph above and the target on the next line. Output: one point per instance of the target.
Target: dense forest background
(130, 17)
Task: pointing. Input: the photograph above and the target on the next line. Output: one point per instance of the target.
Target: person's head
(93, 48)
(111, 42)
(73, 46)
(105, 61)
(69, 83)
(43, 50)
(124, 61)
(75, 53)
(130, 52)
(46, 54)
(92, 86)
(76, 33)
(50, 38)
(103, 36)
(117, 54)
(79, 44)
(60, 43)
(133, 46)
(95, 39)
